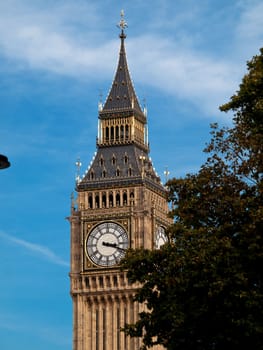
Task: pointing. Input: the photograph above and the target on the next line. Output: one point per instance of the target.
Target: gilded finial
(100, 104)
(166, 173)
(78, 166)
(122, 24)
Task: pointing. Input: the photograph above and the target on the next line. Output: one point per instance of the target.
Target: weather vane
(122, 24)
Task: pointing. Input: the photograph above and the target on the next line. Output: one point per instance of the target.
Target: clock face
(106, 244)
(160, 237)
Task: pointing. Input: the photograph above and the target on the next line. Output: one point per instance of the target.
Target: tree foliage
(203, 289)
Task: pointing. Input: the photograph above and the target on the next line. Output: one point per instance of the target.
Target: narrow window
(97, 201)
(127, 132)
(101, 281)
(111, 199)
(87, 282)
(108, 281)
(107, 133)
(94, 284)
(122, 132)
(117, 133)
(131, 198)
(117, 199)
(112, 133)
(90, 201)
(104, 200)
(124, 198)
(115, 281)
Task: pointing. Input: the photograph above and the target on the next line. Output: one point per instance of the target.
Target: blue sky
(186, 57)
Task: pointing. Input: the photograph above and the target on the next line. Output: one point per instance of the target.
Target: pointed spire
(122, 96)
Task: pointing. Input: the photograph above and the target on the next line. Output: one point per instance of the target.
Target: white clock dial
(160, 238)
(106, 244)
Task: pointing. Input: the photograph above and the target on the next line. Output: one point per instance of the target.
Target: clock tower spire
(120, 204)
(122, 101)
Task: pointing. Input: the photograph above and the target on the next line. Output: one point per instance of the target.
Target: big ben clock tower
(120, 204)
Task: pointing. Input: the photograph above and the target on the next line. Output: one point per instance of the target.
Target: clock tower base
(101, 310)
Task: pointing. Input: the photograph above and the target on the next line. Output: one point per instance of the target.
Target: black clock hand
(108, 244)
(113, 245)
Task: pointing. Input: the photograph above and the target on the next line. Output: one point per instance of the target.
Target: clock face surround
(160, 238)
(106, 244)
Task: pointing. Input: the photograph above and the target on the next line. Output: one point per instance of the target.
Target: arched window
(118, 172)
(111, 199)
(97, 201)
(131, 198)
(126, 159)
(91, 174)
(130, 171)
(103, 173)
(117, 199)
(90, 201)
(124, 198)
(104, 200)
(113, 159)
(101, 161)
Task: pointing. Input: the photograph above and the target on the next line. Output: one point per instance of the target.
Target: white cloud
(250, 24)
(248, 33)
(38, 47)
(50, 40)
(189, 75)
(38, 249)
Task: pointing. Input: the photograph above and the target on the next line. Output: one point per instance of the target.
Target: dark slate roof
(126, 164)
(122, 95)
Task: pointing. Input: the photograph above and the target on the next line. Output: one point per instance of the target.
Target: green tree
(203, 289)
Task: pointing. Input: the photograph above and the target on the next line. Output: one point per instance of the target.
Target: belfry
(120, 204)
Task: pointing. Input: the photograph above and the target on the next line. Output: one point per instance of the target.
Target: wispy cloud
(50, 40)
(37, 38)
(13, 322)
(20, 323)
(249, 29)
(38, 249)
(185, 73)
